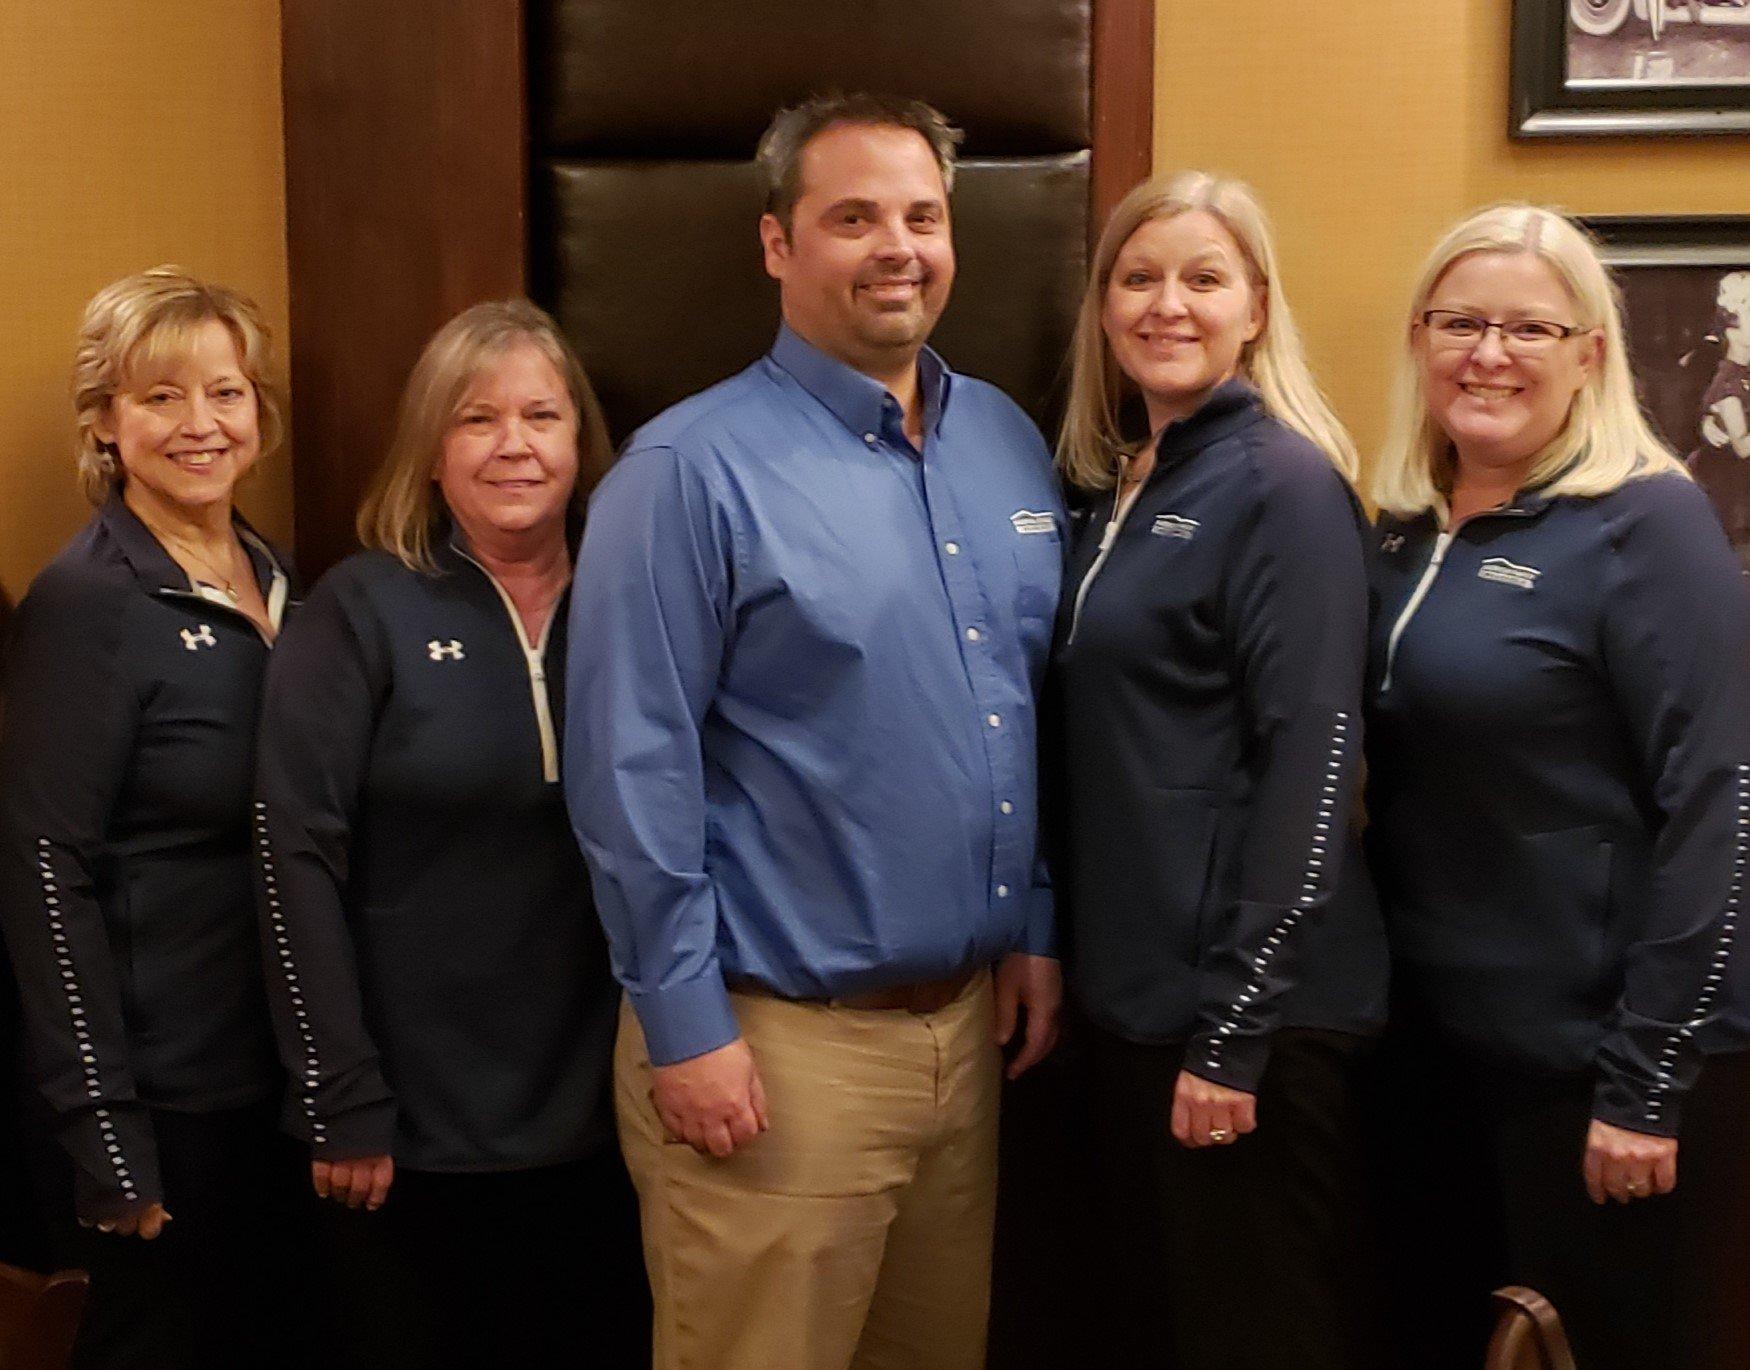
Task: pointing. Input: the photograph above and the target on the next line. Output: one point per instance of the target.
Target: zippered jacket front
(438, 977)
(125, 765)
(1206, 694)
(1559, 784)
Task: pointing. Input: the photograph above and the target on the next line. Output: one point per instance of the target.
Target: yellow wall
(1366, 127)
(132, 132)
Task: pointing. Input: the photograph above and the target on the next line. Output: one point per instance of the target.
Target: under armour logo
(1391, 542)
(195, 641)
(437, 651)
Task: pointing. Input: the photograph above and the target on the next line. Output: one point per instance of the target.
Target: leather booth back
(643, 118)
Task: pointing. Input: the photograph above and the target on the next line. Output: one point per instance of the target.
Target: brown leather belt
(924, 996)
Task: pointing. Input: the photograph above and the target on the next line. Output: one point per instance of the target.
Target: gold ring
(1636, 1186)
(1218, 1134)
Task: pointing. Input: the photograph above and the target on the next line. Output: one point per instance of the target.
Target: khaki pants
(855, 1234)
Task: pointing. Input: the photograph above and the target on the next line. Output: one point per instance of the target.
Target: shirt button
(1002, 891)
(972, 635)
(995, 720)
(1006, 807)
(869, 438)
(951, 548)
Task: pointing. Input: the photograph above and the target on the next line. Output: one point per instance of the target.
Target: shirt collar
(157, 570)
(1231, 406)
(859, 402)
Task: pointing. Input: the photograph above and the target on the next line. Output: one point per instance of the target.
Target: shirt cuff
(1039, 935)
(1234, 1061)
(685, 1020)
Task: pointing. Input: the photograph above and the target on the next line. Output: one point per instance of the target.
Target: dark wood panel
(406, 160)
(1123, 101)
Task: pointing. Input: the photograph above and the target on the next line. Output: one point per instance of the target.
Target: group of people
(729, 807)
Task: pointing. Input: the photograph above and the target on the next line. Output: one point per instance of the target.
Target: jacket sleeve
(319, 716)
(1676, 653)
(647, 640)
(1296, 606)
(71, 718)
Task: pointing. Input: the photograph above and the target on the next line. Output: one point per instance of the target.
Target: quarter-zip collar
(1231, 407)
(159, 573)
(861, 403)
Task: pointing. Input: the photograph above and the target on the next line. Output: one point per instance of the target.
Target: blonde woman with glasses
(1559, 789)
(1222, 934)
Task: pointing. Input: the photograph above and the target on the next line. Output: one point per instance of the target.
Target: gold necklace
(222, 582)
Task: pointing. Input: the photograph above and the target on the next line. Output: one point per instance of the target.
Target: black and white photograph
(1686, 291)
(1658, 42)
(1586, 68)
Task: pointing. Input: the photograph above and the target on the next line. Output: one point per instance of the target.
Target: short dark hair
(779, 157)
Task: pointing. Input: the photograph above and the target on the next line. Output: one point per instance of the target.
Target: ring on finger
(1219, 1134)
(1636, 1187)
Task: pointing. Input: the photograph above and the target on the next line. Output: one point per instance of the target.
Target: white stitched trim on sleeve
(1318, 853)
(112, 1145)
(1716, 971)
(282, 945)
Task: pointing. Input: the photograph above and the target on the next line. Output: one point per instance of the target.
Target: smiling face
(184, 426)
(508, 461)
(1502, 408)
(865, 269)
(1179, 309)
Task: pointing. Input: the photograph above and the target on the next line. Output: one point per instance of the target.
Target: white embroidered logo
(438, 651)
(1174, 526)
(1392, 542)
(195, 641)
(1027, 521)
(1509, 573)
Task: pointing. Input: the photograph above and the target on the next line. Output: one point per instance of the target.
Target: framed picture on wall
(1588, 68)
(1686, 292)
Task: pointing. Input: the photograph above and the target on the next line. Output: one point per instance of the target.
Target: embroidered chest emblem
(444, 651)
(1027, 521)
(1505, 572)
(1392, 542)
(1174, 526)
(194, 641)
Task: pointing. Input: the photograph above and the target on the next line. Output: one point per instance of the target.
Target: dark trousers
(220, 1287)
(1480, 1172)
(1254, 1255)
(461, 1272)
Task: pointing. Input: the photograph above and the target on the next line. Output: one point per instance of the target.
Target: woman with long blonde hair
(1222, 933)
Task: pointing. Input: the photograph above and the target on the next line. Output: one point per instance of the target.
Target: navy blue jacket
(125, 764)
(1206, 689)
(1559, 794)
(438, 977)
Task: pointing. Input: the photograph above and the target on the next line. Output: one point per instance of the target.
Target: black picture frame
(1670, 269)
(1544, 103)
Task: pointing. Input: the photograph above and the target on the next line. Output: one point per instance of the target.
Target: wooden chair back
(39, 1317)
(1528, 1334)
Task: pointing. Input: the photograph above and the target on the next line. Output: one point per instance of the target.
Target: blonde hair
(1734, 294)
(1605, 440)
(137, 322)
(403, 506)
(1091, 447)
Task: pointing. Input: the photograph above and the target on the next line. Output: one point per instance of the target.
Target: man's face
(865, 269)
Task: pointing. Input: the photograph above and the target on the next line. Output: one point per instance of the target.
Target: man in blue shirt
(812, 610)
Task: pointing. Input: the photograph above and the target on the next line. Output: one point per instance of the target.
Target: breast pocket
(1038, 577)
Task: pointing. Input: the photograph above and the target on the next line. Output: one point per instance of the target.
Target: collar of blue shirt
(860, 402)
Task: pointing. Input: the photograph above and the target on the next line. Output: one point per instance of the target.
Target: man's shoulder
(726, 409)
(984, 401)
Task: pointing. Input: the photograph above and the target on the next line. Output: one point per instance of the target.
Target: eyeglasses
(1448, 328)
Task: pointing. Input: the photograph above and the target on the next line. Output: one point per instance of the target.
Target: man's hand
(1034, 983)
(1208, 1114)
(715, 1102)
(362, 1182)
(145, 1223)
(1624, 1165)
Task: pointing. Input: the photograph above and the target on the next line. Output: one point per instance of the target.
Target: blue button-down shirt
(801, 718)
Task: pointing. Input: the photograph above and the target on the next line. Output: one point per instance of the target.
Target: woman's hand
(145, 1223)
(362, 1182)
(1208, 1114)
(1624, 1165)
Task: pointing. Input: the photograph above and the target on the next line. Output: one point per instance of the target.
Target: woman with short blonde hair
(1221, 930)
(131, 700)
(1559, 796)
